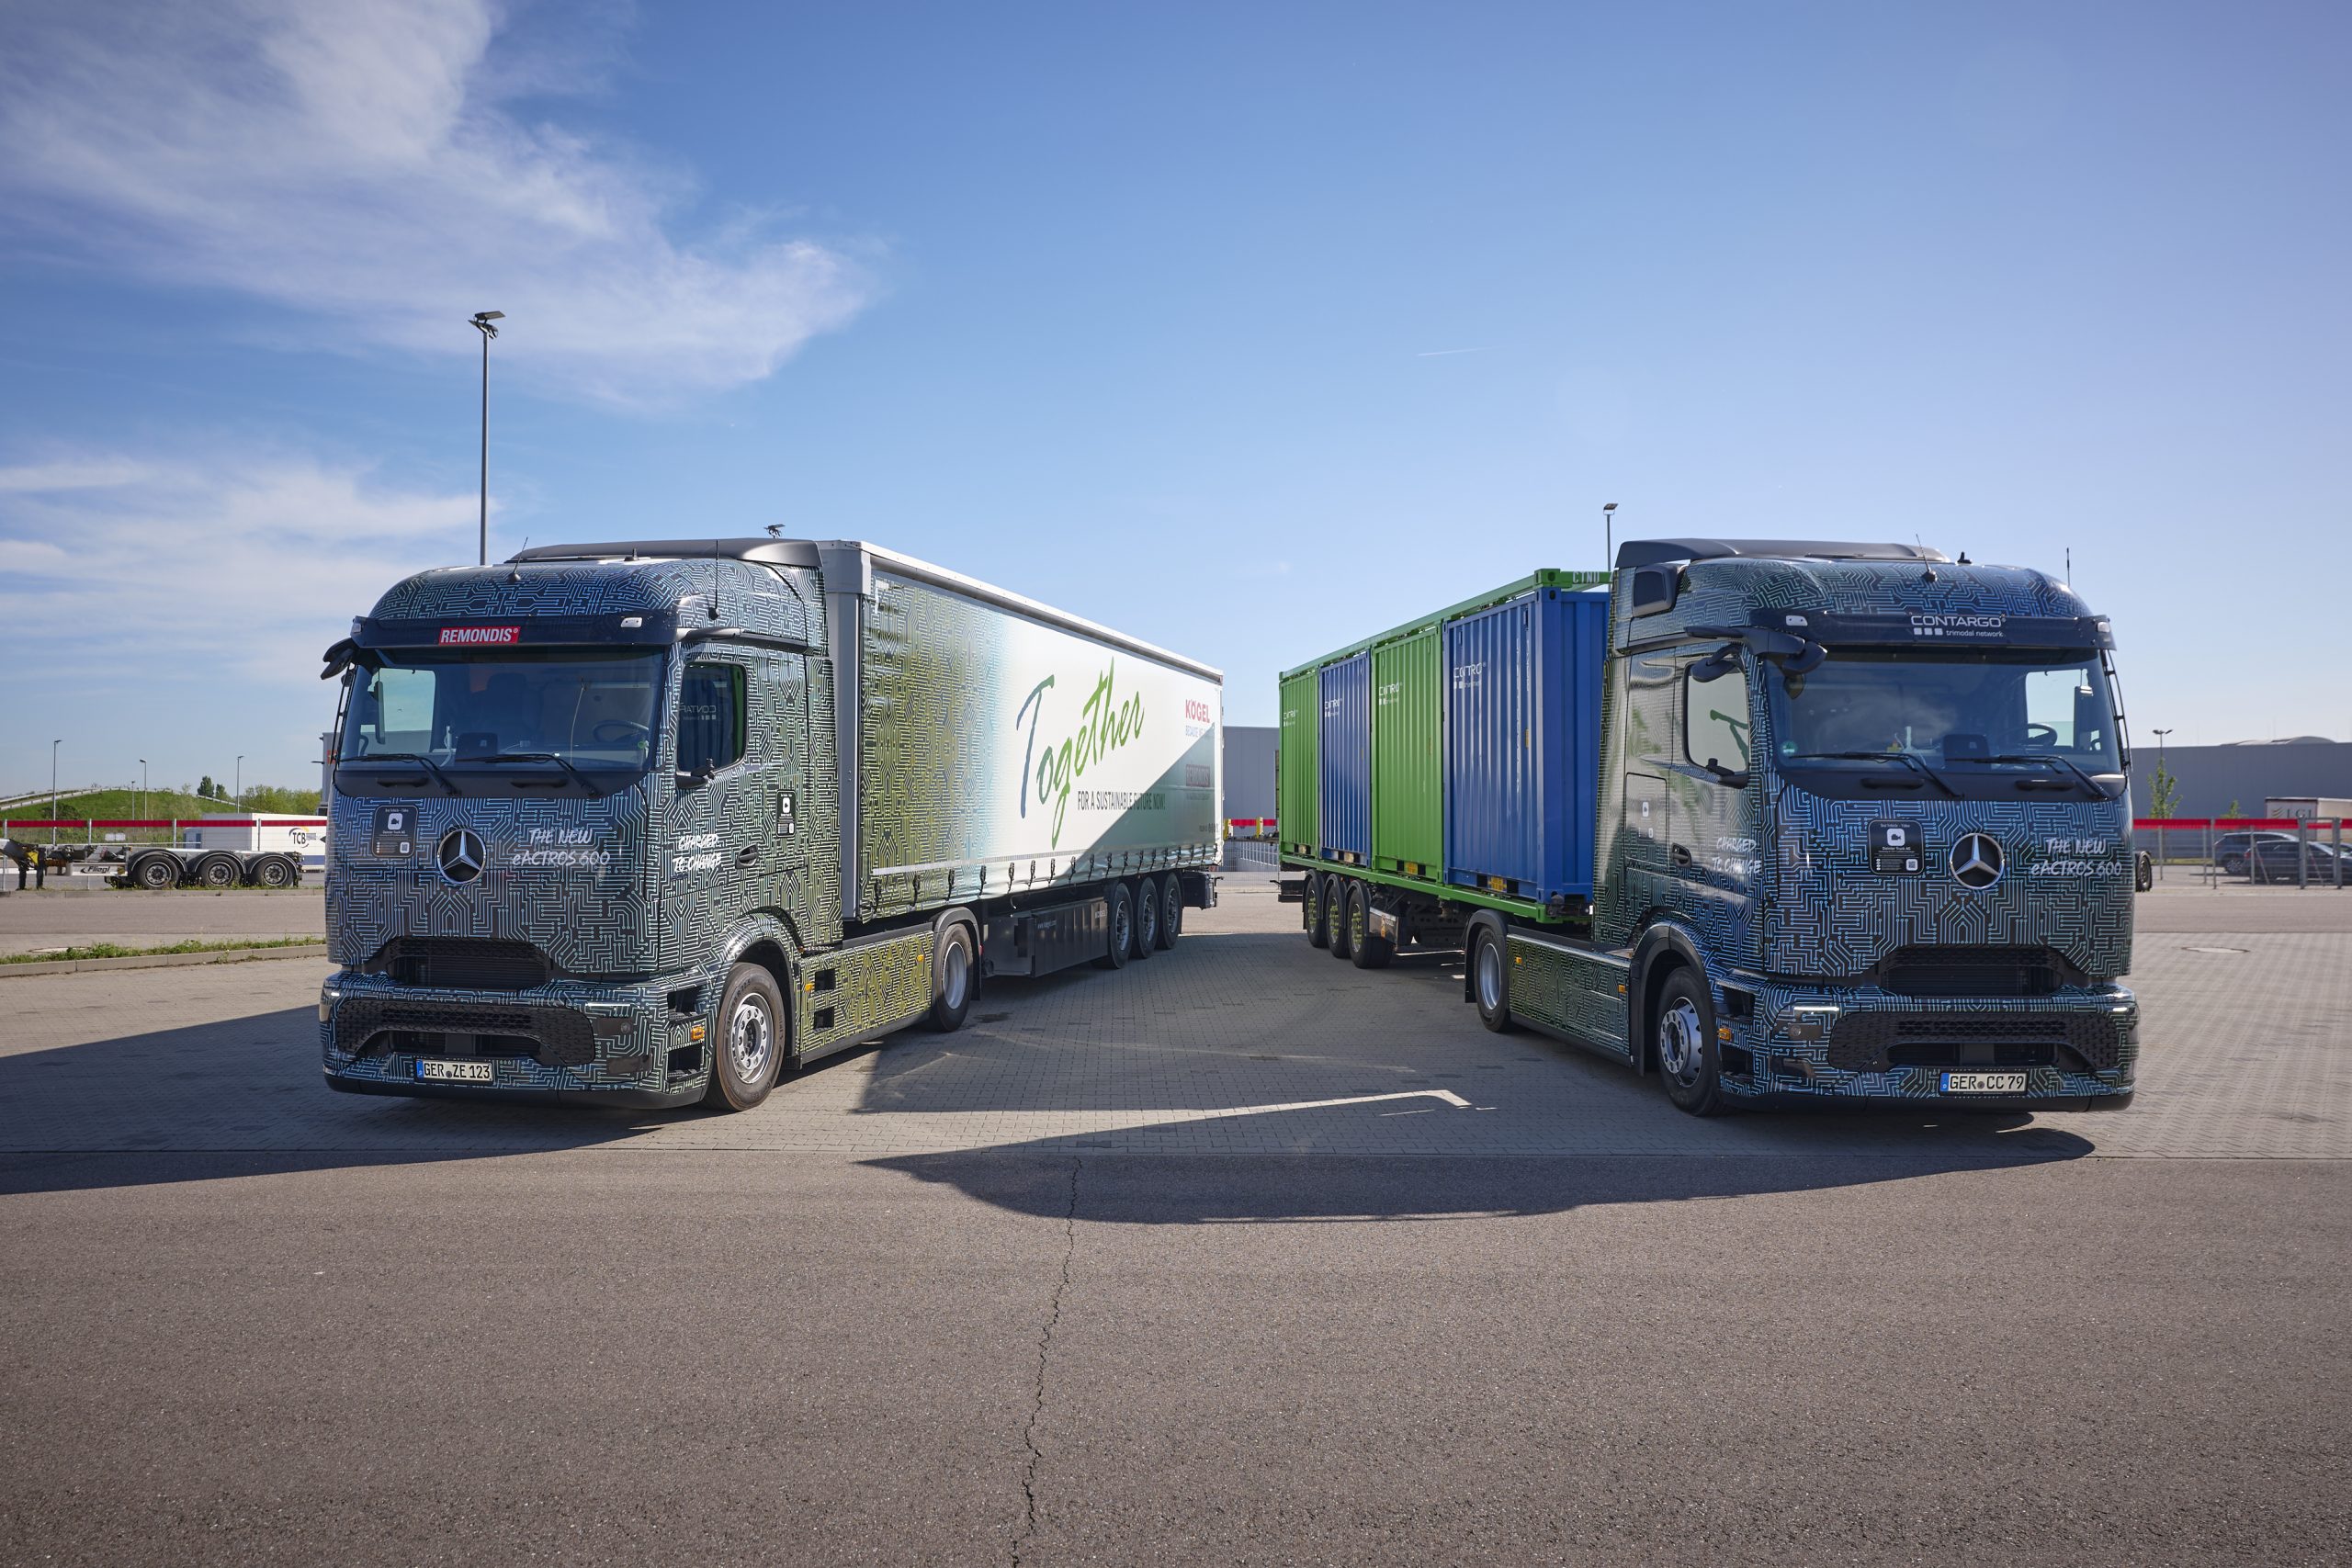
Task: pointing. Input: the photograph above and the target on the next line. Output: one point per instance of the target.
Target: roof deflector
(1650, 552)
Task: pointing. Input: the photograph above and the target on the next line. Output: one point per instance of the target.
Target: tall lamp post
(52, 781)
(239, 798)
(1609, 537)
(482, 320)
(142, 789)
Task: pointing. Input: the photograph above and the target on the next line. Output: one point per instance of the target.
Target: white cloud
(250, 567)
(355, 160)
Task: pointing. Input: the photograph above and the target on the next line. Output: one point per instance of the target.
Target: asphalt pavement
(1240, 1255)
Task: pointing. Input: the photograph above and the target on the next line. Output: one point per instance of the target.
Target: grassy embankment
(115, 950)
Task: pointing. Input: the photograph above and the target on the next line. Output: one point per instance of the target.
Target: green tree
(2167, 793)
(205, 787)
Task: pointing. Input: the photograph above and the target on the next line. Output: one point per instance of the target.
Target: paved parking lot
(1238, 1255)
(34, 920)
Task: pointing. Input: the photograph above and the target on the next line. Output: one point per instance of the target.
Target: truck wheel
(952, 974)
(1171, 911)
(748, 1052)
(1121, 909)
(1316, 932)
(1368, 950)
(155, 873)
(1147, 897)
(1688, 1062)
(275, 871)
(1490, 979)
(218, 871)
(1335, 917)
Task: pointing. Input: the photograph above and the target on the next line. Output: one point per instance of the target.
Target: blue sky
(1246, 328)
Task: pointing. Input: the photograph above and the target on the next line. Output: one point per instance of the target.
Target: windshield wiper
(428, 763)
(1903, 757)
(2089, 783)
(563, 763)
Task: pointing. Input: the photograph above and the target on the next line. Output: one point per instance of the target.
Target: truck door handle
(1682, 856)
(747, 854)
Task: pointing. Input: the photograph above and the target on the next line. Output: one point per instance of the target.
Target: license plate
(452, 1072)
(1984, 1083)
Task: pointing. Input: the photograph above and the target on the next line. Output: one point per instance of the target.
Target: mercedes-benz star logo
(462, 856)
(1976, 861)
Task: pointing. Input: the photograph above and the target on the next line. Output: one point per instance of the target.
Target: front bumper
(2078, 1047)
(567, 1041)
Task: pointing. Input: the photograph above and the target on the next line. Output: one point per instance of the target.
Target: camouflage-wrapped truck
(1776, 820)
(646, 823)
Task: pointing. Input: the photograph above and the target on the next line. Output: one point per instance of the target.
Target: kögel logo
(481, 636)
(461, 855)
(1976, 861)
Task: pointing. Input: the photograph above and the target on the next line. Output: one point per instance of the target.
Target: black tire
(155, 873)
(954, 979)
(1335, 917)
(2233, 866)
(1119, 909)
(1171, 910)
(1490, 979)
(1146, 897)
(1364, 949)
(2144, 872)
(275, 871)
(747, 1042)
(218, 871)
(1682, 1033)
(1317, 889)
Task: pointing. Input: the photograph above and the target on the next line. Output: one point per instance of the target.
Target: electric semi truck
(1774, 819)
(645, 823)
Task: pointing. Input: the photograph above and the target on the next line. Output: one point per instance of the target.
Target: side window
(1714, 721)
(710, 718)
(395, 711)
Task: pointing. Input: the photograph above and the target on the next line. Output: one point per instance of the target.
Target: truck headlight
(328, 994)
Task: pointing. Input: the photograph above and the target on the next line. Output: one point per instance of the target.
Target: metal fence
(2302, 851)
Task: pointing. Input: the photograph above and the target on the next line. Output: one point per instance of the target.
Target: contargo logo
(1950, 625)
(1977, 862)
(461, 855)
(481, 636)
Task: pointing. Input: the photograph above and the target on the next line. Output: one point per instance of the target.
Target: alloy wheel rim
(1490, 977)
(1680, 1046)
(958, 975)
(750, 1039)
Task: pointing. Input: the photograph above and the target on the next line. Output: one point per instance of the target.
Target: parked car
(2229, 849)
(2274, 861)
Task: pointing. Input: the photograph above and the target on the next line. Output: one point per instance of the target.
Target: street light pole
(239, 798)
(142, 789)
(52, 780)
(1609, 537)
(482, 320)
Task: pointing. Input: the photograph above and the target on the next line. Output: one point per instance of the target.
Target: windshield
(593, 710)
(1981, 706)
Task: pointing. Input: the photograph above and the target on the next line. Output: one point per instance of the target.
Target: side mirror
(1654, 588)
(696, 778)
(1723, 661)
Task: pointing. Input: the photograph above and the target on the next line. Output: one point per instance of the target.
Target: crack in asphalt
(1037, 1402)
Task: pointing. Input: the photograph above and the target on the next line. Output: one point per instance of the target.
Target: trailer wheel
(1121, 909)
(1147, 897)
(218, 871)
(1683, 1027)
(953, 978)
(1335, 916)
(1490, 979)
(1171, 911)
(275, 871)
(155, 873)
(1316, 932)
(748, 1052)
(1368, 949)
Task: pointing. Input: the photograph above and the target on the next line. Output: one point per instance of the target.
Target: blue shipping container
(1522, 743)
(1347, 758)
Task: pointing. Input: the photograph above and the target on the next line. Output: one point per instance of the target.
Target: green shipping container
(1299, 787)
(1407, 808)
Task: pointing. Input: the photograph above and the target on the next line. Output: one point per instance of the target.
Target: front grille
(556, 1037)
(1972, 972)
(1875, 1042)
(462, 964)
